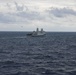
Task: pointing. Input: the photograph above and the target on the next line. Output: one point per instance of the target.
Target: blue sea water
(54, 54)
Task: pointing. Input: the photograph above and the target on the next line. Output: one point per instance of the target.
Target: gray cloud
(20, 17)
(8, 5)
(61, 12)
(11, 18)
(18, 7)
(6, 18)
(30, 15)
(27, 14)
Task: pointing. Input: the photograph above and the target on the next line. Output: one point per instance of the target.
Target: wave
(21, 73)
(24, 37)
(7, 64)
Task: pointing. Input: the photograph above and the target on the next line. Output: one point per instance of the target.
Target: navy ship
(37, 33)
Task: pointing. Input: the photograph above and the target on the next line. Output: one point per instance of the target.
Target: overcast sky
(27, 15)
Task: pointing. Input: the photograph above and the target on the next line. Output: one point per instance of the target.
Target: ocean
(53, 54)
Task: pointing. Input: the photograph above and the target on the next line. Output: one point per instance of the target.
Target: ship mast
(37, 30)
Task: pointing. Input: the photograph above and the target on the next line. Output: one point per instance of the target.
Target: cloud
(8, 5)
(20, 14)
(30, 17)
(18, 7)
(6, 18)
(20, 17)
(61, 12)
(11, 18)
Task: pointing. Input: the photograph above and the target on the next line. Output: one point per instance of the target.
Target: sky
(27, 15)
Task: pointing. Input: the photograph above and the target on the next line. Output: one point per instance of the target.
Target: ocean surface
(54, 54)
